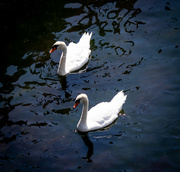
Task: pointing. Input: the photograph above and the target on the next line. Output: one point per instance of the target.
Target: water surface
(135, 48)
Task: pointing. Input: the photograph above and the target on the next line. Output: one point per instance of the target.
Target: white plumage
(101, 115)
(74, 56)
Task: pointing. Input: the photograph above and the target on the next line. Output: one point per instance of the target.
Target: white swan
(74, 56)
(101, 115)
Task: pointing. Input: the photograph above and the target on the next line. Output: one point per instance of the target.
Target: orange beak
(75, 105)
(52, 49)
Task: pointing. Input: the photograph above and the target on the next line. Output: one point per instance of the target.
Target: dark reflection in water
(89, 144)
(134, 48)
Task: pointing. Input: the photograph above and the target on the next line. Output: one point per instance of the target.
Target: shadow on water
(89, 144)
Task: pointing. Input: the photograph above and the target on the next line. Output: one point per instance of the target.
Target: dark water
(135, 47)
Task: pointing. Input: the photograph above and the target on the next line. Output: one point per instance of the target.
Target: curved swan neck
(84, 110)
(62, 61)
(62, 46)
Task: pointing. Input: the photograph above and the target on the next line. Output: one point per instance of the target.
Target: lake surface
(135, 47)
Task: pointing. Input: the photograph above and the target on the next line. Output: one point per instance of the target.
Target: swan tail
(118, 100)
(85, 39)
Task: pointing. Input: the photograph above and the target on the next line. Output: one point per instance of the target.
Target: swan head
(82, 98)
(58, 45)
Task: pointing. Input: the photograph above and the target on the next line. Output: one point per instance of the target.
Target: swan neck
(62, 61)
(84, 111)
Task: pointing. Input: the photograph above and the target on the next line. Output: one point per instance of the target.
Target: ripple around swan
(134, 48)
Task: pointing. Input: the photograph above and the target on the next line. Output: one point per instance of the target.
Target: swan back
(104, 113)
(78, 54)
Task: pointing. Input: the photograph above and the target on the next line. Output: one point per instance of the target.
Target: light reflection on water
(134, 48)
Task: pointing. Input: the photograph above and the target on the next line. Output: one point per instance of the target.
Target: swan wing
(101, 115)
(78, 54)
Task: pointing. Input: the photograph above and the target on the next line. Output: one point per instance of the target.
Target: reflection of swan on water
(89, 144)
(74, 56)
(101, 115)
(63, 83)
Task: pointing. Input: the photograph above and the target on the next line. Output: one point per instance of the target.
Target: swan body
(101, 115)
(74, 56)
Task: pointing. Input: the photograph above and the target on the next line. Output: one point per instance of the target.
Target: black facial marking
(55, 46)
(78, 101)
